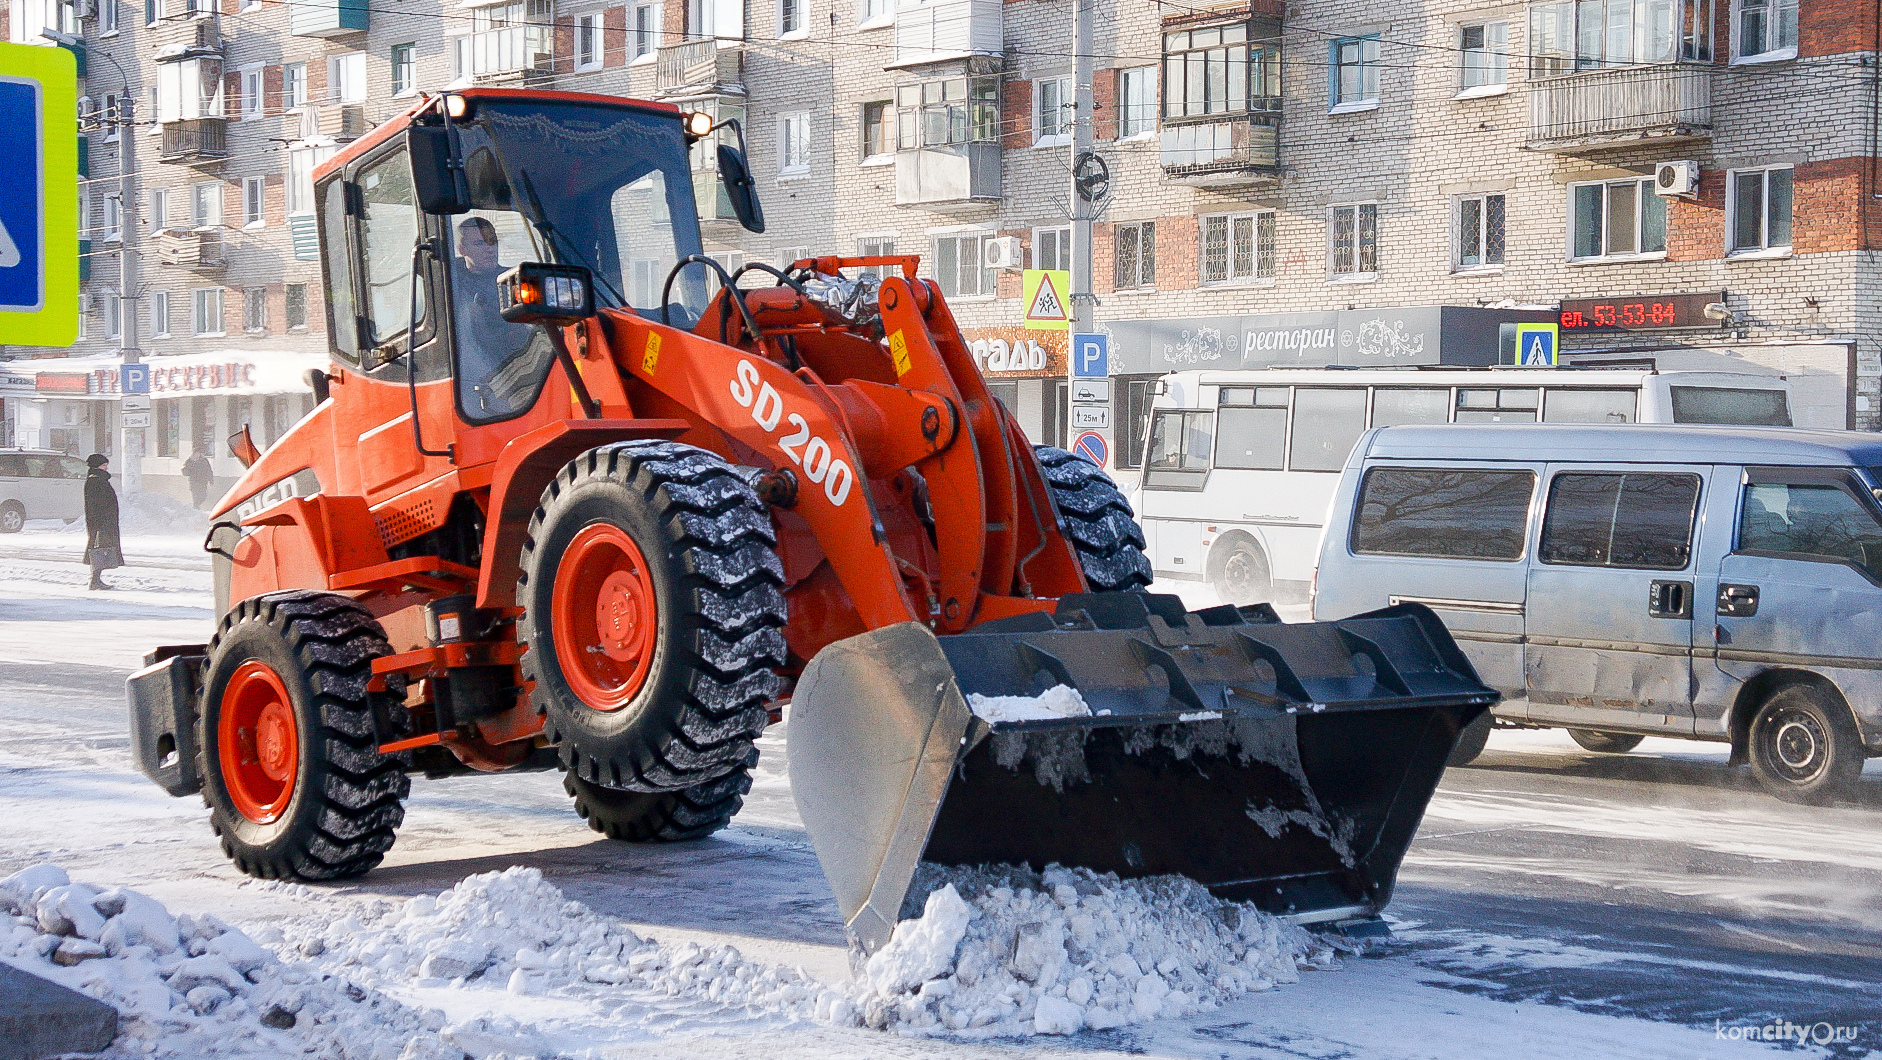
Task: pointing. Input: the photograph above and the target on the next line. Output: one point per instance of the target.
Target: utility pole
(130, 439)
(1083, 114)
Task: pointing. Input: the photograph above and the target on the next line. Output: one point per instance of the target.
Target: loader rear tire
(665, 817)
(1104, 531)
(292, 773)
(653, 613)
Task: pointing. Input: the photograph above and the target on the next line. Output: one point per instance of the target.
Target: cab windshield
(604, 187)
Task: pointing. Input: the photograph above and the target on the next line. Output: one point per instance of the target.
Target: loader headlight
(541, 293)
(456, 106)
(698, 124)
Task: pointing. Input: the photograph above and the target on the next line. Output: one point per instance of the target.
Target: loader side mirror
(539, 293)
(242, 447)
(735, 174)
(437, 171)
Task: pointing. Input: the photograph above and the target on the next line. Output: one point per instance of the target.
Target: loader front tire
(1099, 521)
(653, 614)
(665, 817)
(292, 773)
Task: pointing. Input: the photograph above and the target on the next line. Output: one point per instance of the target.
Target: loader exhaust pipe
(1286, 765)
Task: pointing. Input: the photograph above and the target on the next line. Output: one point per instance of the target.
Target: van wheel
(1471, 741)
(12, 518)
(1618, 743)
(1239, 572)
(1804, 746)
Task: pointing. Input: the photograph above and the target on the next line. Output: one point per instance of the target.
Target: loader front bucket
(1281, 764)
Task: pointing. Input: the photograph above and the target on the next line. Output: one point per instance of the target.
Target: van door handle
(1669, 599)
(1738, 601)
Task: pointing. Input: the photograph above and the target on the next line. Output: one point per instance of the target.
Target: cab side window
(1179, 449)
(388, 230)
(1811, 522)
(1636, 521)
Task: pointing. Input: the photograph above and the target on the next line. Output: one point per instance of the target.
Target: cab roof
(1630, 443)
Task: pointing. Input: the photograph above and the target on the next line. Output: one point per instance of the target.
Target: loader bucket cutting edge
(1286, 765)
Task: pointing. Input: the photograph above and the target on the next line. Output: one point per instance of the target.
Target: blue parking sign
(1091, 355)
(22, 197)
(135, 379)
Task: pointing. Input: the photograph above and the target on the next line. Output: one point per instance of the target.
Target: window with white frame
(1353, 240)
(109, 115)
(159, 209)
(113, 229)
(955, 110)
(84, 213)
(206, 205)
(1765, 29)
(346, 78)
(1570, 35)
(405, 69)
(206, 311)
(189, 88)
(959, 265)
(1354, 74)
(875, 247)
(294, 305)
(160, 314)
(301, 164)
(153, 100)
(1137, 101)
(107, 17)
(1134, 255)
(114, 316)
(153, 12)
(876, 118)
(1479, 225)
(1486, 60)
(646, 35)
(1758, 205)
(254, 201)
(794, 143)
(248, 83)
(1615, 219)
(1052, 248)
(1221, 69)
(791, 18)
(294, 85)
(254, 309)
(1236, 247)
(588, 41)
(1052, 109)
(872, 10)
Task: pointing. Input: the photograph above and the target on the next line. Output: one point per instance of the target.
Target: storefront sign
(171, 379)
(62, 383)
(1642, 313)
(1373, 338)
(17, 384)
(1014, 353)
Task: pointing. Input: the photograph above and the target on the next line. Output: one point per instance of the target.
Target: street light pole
(130, 439)
(1083, 208)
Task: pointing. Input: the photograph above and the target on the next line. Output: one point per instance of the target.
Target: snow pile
(189, 987)
(999, 952)
(159, 513)
(1059, 701)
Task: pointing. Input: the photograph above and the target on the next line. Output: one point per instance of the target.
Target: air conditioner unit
(1004, 252)
(83, 9)
(1676, 178)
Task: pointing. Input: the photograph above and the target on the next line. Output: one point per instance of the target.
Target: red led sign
(1649, 313)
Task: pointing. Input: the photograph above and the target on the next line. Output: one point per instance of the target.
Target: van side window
(12, 465)
(1729, 405)
(1443, 512)
(1588, 406)
(1327, 424)
(1810, 522)
(1633, 520)
(1179, 450)
(1251, 435)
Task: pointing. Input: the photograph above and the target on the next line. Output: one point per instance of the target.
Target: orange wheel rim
(604, 616)
(258, 743)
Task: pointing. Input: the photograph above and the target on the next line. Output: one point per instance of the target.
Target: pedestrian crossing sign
(1538, 345)
(1047, 307)
(38, 196)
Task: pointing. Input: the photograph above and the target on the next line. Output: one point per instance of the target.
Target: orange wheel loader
(574, 497)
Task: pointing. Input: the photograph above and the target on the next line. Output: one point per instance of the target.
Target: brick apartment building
(1274, 171)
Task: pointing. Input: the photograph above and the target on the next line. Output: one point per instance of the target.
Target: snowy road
(1557, 903)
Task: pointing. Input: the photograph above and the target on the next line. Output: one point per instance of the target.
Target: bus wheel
(1239, 571)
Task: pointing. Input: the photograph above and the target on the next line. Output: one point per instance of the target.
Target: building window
(189, 88)
(249, 88)
(108, 17)
(1616, 219)
(876, 247)
(871, 10)
(1480, 220)
(114, 219)
(1134, 255)
(160, 314)
(958, 110)
(153, 12)
(1766, 29)
(346, 78)
(1137, 101)
(1486, 55)
(1354, 77)
(1760, 209)
(588, 41)
(295, 306)
(1354, 235)
(646, 29)
(790, 18)
(1052, 248)
(114, 316)
(206, 311)
(960, 265)
(1566, 35)
(159, 209)
(254, 200)
(294, 85)
(876, 130)
(1221, 70)
(108, 114)
(301, 164)
(254, 309)
(169, 427)
(153, 99)
(1237, 247)
(794, 143)
(404, 69)
(1053, 108)
(206, 205)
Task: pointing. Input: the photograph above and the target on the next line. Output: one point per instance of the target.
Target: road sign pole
(131, 439)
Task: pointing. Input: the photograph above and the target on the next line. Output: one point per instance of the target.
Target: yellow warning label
(652, 357)
(898, 351)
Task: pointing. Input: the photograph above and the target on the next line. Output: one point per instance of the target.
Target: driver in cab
(489, 347)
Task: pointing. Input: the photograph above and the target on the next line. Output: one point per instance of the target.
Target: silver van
(39, 484)
(1709, 583)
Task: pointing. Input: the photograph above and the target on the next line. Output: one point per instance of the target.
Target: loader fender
(163, 699)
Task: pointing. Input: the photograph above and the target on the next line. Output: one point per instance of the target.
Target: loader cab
(588, 181)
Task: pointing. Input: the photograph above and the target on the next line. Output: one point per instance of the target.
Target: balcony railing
(194, 140)
(1219, 154)
(1598, 109)
(957, 175)
(929, 31)
(506, 54)
(200, 249)
(699, 66)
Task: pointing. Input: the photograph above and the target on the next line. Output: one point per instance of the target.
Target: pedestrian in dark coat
(103, 550)
(200, 474)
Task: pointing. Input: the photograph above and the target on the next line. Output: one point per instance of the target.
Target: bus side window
(1251, 438)
(1587, 406)
(1395, 406)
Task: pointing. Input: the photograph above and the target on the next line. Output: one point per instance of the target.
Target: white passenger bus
(1239, 466)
